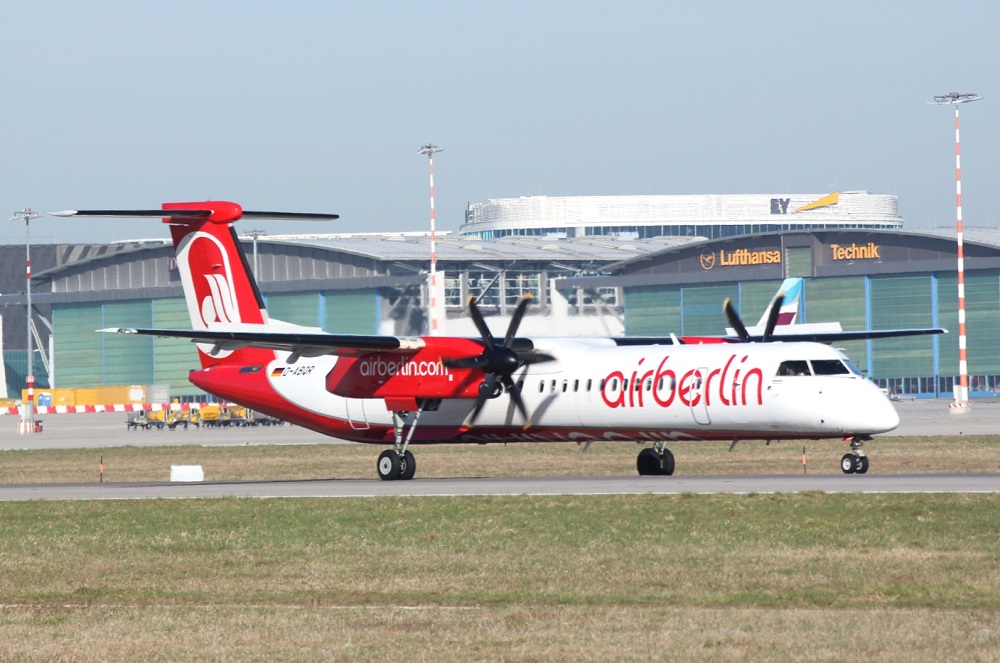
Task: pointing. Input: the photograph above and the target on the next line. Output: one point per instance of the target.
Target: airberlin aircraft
(403, 391)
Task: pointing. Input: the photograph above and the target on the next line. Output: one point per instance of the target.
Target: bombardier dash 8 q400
(403, 391)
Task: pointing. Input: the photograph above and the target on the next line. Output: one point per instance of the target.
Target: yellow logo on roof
(825, 201)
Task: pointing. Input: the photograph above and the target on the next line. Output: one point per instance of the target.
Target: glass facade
(707, 230)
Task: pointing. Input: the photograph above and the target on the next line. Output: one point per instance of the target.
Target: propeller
(498, 361)
(741, 330)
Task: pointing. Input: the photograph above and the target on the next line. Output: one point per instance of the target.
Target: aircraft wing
(862, 335)
(301, 344)
(815, 336)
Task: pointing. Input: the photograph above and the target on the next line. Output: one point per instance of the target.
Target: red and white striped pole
(961, 404)
(429, 150)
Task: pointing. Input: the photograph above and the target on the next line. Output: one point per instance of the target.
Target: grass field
(800, 577)
(811, 577)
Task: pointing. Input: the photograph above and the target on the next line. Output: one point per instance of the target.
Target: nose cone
(884, 417)
(872, 411)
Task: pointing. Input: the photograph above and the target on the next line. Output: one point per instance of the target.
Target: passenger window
(829, 367)
(588, 384)
(541, 386)
(576, 385)
(565, 385)
(553, 386)
(793, 367)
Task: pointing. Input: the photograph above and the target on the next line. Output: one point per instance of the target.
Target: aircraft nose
(880, 414)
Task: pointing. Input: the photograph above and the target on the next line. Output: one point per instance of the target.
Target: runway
(675, 485)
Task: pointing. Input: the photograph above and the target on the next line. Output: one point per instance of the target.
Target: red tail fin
(220, 291)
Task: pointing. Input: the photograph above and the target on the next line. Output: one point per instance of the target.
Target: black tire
(648, 463)
(389, 465)
(847, 464)
(861, 466)
(667, 463)
(408, 466)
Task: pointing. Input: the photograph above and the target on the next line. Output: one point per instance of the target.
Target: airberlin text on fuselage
(379, 367)
(728, 385)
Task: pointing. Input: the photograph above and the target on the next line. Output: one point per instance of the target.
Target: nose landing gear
(855, 462)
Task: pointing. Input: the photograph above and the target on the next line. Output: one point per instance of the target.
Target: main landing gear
(393, 465)
(657, 461)
(398, 462)
(855, 462)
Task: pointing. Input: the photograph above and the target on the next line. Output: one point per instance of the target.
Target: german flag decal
(278, 372)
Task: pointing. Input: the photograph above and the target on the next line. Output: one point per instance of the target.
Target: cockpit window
(793, 367)
(851, 367)
(829, 367)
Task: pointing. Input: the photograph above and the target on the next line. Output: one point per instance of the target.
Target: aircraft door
(699, 403)
(356, 413)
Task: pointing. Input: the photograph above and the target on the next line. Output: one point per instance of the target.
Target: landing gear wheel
(666, 463)
(648, 463)
(651, 463)
(389, 465)
(847, 464)
(861, 465)
(408, 466)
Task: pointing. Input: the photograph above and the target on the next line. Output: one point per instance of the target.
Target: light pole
(256, 264)
(961, 404)
(28, 409)
(429, 150)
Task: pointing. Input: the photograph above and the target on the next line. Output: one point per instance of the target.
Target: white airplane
(403, 391)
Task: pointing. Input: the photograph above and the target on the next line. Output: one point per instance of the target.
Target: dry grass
(431, 633)
(888, 456)
(786, 577)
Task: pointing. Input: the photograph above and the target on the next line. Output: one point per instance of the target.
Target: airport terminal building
(710, 216)
(606, 278)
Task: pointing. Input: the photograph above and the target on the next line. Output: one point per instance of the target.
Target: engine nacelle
(418, 374)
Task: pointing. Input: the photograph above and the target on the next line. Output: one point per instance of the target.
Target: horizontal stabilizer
(194, 214)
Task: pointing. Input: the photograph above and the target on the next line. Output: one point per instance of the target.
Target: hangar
(584, 285)
(865, 279)
(344, 283)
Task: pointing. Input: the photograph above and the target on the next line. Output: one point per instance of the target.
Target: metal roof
(416, 246)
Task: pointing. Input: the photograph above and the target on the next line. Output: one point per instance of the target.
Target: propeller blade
(486, 389)
(478, 361)
(536, 358)
(734, 320)
(470, 420)
(515, 395)
(477, 319)
(515, 320)
(772, 317)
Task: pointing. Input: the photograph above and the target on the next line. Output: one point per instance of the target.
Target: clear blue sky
(322, 105)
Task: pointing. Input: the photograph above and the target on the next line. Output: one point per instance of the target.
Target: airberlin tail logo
(207, 276)
(219, 304)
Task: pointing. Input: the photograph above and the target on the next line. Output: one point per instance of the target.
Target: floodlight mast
(961, 404)
(254, 234)
(429, 150)
(27, 425)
